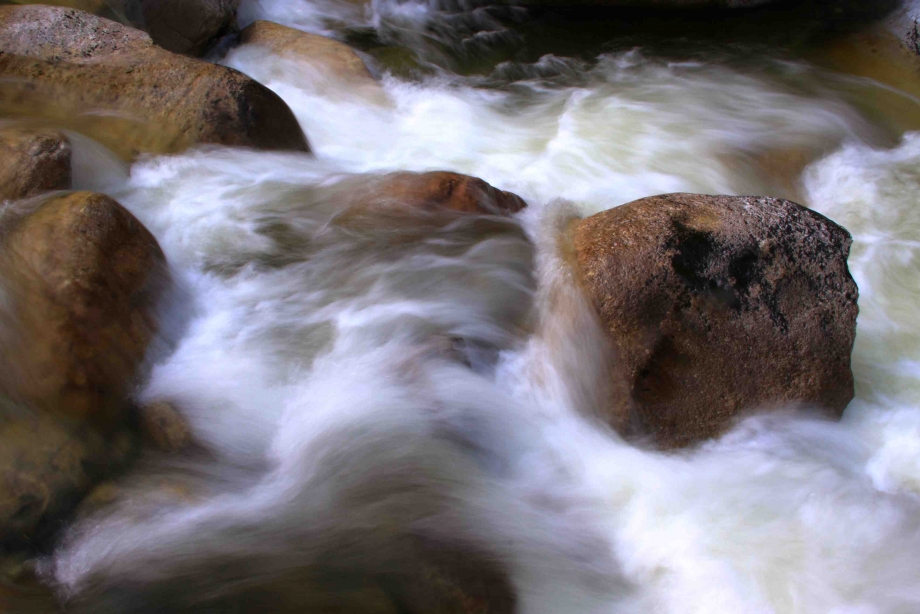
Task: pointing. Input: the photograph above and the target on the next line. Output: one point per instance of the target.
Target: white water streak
(328, 361)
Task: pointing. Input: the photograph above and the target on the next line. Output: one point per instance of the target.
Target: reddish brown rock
(719, 305)
(82, 279)
(112, 83)
(443, 190)
(32, 161)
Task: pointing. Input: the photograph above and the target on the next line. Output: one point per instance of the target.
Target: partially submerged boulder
(325, 53)
(419, 202)
(719, 305)
(444, 191)
(81, 278)
(33, 161)
(81, 282)
(112, 83)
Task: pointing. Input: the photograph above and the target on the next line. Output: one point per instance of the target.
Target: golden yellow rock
(324, 53)
(82, 278)
(33, 161)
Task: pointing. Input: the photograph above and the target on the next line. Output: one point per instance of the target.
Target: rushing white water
(362, 377)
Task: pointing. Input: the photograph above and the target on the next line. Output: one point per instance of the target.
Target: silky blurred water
(329, 360)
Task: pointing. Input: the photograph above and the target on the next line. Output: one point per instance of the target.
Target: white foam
(325, 355)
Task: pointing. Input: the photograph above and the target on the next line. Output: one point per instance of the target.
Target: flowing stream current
(355, 378)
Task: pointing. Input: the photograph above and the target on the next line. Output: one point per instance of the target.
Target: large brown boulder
(184, 26)
(718, 305)
(112, 83)
(81, 280)
(33, 161)
(327, 54)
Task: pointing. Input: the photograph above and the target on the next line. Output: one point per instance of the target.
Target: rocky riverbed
(323, 306)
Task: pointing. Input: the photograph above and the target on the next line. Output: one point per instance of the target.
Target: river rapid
(353, 378)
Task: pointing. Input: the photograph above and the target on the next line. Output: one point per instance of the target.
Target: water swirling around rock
(366, 381)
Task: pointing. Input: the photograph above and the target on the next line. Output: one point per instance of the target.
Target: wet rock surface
(717, 306)
(33, 161)
(112, 83)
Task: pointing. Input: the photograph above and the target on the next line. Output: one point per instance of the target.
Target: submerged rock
(164, 427)
(112, 83)
(407, 574)
(327, 54)
(47, 463)
(719, 305)
(20, 590)
(82, 278)
(33, 161)
(184, 26)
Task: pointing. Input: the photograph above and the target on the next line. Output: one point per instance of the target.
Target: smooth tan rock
(185, 26)
(325, 53)
(717, 306)
(33, 161)
(82, 278)
(112, 83)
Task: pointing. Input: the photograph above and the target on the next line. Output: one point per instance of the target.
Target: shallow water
(358, 377)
